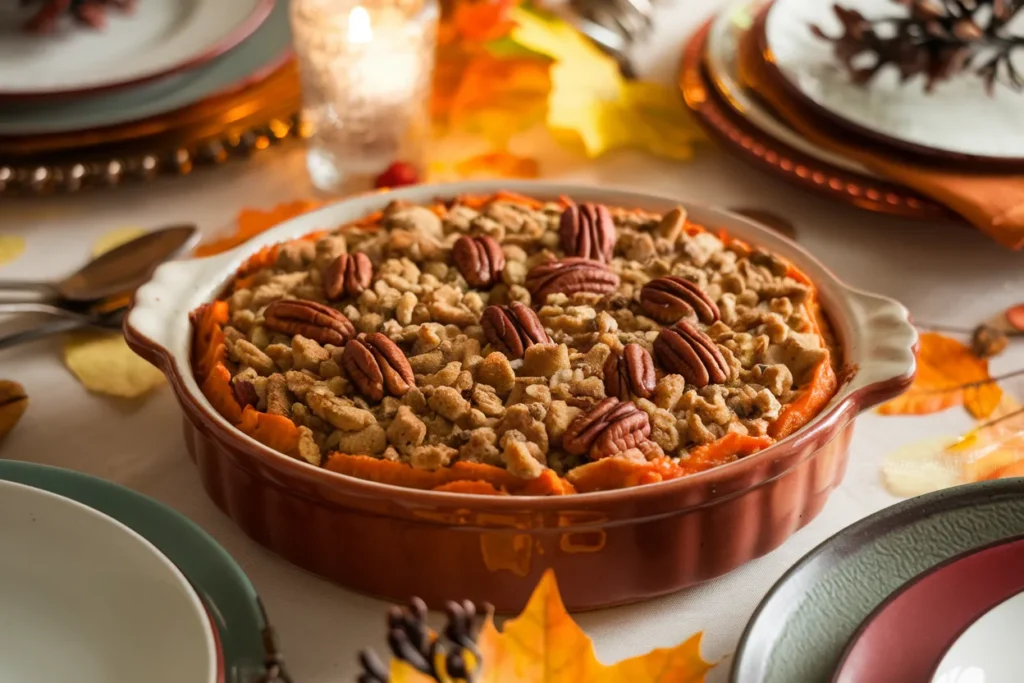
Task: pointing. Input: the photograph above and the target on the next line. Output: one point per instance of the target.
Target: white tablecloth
(942, 272)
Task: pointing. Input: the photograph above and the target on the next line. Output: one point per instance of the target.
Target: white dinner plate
(154, 40)
(989, 650)
(84, 598)
(957, 120)
(728, 29)
(254, 59)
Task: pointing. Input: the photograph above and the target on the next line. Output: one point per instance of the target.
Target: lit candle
(366, 84)
(385, 70)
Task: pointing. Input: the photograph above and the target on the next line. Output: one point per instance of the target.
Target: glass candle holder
(366, 69)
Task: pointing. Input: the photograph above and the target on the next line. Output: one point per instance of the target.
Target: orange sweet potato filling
(818, 393)
(480, 488)
(281, 434)
(403, 474)
(276, 431)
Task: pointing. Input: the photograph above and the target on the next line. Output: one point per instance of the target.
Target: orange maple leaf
(544, 645)
(944, 367)
(252, 222)
(479, 21)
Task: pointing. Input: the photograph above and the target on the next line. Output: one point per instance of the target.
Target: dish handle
(154, 327)
(883, 354)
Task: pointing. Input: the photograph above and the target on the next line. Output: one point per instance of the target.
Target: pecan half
(569, 276)
(513, 328)
(629, 372)
(377, 366)
(687, 351)
(669, 298)
(609, 428)
(480, 260)
(587, 231)
(348, 275)
(245, 393)
(310, 319)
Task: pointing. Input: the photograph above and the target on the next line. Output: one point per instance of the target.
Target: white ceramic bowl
(84, 598)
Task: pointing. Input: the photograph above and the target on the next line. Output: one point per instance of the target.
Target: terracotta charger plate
(153, 41)
(729, 30)
(906, 638)
(957, 123)
(729, 127)
(883, 571)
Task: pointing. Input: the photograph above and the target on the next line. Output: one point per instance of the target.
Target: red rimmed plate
(908, 636)
(957, 123)
(751, 144)
(156, 40)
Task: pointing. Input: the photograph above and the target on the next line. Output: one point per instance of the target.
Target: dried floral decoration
(13, 402)
(541, 645)
(935, 39)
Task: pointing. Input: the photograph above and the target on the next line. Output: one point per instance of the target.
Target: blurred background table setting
(881, 136)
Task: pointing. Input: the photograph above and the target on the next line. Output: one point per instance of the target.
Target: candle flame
(359, 30)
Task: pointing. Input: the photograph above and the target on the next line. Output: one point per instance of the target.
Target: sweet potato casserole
(504, 345)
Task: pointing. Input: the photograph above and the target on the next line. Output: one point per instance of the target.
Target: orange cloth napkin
(992, 202)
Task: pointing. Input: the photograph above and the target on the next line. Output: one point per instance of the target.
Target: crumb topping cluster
(523, 335)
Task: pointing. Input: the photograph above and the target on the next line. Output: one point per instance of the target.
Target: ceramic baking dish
(606, 548)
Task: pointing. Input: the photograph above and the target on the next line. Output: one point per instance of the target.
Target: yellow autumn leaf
(114, 239)
(104, 364)
(590, 99)
(11, 248)
(545, 645)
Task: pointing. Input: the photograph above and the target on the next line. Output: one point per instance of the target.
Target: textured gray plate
(800, 629)
(265, 49)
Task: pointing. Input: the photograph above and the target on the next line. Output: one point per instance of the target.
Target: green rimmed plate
(799, 631)
(229, 597)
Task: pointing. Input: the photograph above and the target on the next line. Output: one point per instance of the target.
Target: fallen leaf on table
(104, 364)
(114, 239)
(13, 402)
(591, 100)
(11, 247)
(252, 222)
(545, 645)
(944, 365)
(992, 450)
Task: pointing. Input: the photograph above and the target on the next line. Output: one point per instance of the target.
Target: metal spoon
(122, 269)
(67, 321)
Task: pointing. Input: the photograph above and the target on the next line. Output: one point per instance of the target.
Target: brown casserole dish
(442, 391)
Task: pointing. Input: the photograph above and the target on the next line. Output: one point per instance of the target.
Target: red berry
(397, 174)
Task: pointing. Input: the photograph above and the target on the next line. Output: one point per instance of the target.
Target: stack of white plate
(99, 584)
